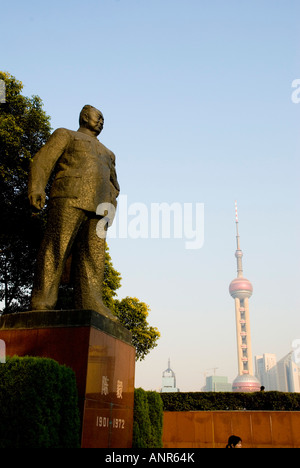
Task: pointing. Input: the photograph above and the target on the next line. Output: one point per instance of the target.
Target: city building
(283, 376)
(169, 380)
(266, 371)
(215, 383)
(288, 374)
(241, 290)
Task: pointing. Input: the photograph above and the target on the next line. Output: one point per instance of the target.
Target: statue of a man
(85, 177)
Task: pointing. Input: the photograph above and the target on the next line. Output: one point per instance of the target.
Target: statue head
(92, 119)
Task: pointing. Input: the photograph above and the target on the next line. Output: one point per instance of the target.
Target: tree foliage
(147, 419)
(38, 404)
(24, 128)
(231, 401)
(133, 314)
(112, 282)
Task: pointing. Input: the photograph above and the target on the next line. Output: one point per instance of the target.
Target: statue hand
(37, 200)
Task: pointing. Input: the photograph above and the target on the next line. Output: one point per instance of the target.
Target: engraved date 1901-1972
(103, 421)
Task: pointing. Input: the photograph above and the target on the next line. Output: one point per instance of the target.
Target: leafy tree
(24, 128)
(112, 282)
(133, 315)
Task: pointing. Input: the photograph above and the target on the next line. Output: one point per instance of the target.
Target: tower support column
(238, 335)
(249, 344)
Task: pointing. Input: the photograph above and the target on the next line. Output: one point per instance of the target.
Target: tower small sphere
(238, 254)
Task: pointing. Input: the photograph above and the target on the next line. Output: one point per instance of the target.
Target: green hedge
(38, 404)
(231, 401)
(148, 419)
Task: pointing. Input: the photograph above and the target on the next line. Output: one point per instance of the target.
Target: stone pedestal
(102, 357)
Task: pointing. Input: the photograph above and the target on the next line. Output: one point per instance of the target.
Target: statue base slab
(100, 353)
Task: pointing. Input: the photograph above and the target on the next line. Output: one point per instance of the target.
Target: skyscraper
(288, 374)
(241, 290)
(169, 380)
(266, 371)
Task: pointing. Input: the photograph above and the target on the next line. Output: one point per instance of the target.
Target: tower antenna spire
(238, 253)
(237, 226)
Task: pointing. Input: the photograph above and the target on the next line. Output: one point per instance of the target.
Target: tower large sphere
(246, 383)
(240, 288)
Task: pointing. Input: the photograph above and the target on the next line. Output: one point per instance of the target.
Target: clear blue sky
(196, 96)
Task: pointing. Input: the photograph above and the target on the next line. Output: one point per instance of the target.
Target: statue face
(94, 121)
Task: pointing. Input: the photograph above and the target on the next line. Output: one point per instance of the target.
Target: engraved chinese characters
(109, 391)
(105, 387)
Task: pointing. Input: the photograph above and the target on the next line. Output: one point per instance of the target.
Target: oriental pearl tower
(241, 290)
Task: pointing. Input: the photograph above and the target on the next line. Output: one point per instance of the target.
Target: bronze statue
(85, 177)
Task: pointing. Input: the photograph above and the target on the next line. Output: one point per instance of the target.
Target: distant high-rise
(288, 374)
(266, 371)
(283, 376)
(169, 380)
(216, 383)
(241, 290)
